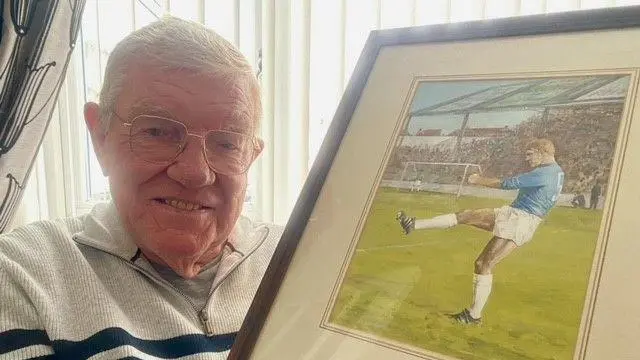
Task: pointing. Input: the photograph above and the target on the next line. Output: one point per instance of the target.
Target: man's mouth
(181, 204)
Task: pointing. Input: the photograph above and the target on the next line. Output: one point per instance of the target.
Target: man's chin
(185, 254)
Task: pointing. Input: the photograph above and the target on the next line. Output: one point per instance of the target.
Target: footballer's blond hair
(544, 146)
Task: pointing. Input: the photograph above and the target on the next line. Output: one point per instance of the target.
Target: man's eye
(228, 146)
(154, 132)
(159, 133)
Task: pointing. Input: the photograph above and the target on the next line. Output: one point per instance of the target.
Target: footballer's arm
(476, 179)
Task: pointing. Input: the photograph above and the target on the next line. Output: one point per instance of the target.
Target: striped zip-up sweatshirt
(78, 289)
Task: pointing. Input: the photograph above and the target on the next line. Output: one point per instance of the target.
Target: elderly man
(169, 267)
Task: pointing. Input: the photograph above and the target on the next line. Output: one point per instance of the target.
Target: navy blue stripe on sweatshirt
(15, 339)
(111, 338)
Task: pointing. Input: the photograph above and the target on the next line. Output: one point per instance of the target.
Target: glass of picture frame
(474, 198)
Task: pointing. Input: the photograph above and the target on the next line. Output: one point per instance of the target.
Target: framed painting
(474, 199)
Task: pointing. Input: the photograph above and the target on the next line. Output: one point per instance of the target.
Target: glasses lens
(156, 139)
(228, 152)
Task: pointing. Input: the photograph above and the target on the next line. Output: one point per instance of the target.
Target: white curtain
(304, 52)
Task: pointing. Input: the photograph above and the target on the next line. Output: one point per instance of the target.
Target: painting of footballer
(513, 226)
(482, 233)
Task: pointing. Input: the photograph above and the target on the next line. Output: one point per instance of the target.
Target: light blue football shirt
(538, 189)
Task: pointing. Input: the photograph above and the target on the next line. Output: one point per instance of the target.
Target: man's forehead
(200, 101)
(171, 105)
(188, 91)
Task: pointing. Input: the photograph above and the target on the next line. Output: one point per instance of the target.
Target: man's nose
(190, 167)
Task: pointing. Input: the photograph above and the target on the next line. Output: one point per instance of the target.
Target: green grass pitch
(401, 287)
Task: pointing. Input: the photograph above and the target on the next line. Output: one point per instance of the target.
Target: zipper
(204, 320)
(235, 266)
(201, 314)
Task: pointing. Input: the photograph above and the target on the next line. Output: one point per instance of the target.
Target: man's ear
(259, 146)
(98, 133)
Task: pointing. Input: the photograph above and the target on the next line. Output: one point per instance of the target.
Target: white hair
(174, 43)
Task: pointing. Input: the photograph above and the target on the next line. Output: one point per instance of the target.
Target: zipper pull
(206, 323)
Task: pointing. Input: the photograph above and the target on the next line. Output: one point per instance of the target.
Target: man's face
(156, 202)
(533, 158)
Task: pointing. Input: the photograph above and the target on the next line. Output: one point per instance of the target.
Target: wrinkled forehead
(200, 101)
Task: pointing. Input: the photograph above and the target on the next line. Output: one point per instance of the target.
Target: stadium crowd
(585, 137)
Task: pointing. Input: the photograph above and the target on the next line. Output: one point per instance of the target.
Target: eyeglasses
(160, 140)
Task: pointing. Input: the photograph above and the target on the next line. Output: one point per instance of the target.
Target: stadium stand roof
(536, 94)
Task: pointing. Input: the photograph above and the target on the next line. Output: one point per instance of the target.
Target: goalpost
(465, 166)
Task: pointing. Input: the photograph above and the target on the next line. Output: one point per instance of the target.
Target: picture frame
(320, 298)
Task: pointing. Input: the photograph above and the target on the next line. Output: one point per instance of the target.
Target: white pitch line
(392, 247)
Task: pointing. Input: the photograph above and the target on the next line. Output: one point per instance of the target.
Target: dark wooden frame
(565, 22)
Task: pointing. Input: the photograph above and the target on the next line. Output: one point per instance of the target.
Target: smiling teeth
(183, 205)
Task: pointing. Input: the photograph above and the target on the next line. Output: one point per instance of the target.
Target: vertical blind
(303, 51)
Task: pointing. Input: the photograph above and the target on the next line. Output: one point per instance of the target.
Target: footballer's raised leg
(480, 218)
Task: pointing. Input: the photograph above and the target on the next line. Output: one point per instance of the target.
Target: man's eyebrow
(149, 108)
(235, 128)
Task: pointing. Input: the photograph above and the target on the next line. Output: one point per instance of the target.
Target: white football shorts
(515, 224)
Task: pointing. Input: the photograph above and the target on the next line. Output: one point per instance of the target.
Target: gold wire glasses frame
(161, 140)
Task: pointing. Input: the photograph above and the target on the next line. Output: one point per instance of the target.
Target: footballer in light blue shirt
(512, 226)
(538, 189)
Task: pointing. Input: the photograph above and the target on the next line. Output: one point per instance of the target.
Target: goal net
(437, 176)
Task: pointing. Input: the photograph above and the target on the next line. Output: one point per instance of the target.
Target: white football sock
(481, 292)
(442, 222)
